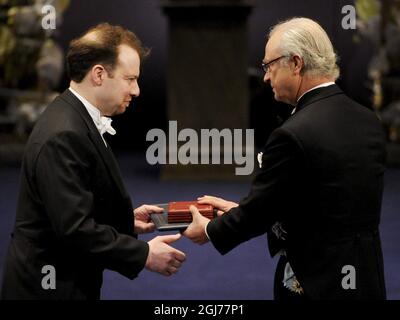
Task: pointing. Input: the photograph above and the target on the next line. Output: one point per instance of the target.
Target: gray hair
(306, 38)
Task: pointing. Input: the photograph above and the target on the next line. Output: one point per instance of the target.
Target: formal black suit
(73, 210)
(322, 179)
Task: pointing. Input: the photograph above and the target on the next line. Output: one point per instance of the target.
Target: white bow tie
(105, 126)
(259, 159)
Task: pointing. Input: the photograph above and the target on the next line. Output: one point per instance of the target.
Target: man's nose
(135, 90)
(266, 77)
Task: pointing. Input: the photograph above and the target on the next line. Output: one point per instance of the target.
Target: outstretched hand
(219, 203)
(143, 223)
(196, 230)
(163, 258)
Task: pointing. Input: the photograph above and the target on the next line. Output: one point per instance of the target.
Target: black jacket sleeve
(264, 205)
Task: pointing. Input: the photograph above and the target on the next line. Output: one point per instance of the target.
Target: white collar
(103, 124)
(326, 84)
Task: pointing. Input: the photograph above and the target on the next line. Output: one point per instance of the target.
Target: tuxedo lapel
(114, 168)
(109, 160)
(105, 152)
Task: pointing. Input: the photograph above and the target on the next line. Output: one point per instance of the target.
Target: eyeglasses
(266, 66)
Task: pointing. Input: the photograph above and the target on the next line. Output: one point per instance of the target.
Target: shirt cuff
(205, 231)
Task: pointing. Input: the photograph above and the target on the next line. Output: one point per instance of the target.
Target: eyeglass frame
(266, 66)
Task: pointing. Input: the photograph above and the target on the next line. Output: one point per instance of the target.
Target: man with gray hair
(319, 189)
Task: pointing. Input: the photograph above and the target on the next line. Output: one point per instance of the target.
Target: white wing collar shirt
(103, 124)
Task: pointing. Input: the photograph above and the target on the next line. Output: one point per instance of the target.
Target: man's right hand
(219, 203)
(163, 258)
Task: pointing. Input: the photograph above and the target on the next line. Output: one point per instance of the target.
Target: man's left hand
(143, 223)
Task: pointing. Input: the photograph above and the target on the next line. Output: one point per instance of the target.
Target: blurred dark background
(247, 272)
(147, 20)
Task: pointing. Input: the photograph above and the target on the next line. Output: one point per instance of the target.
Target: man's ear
(98, 74)
(298, 64)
